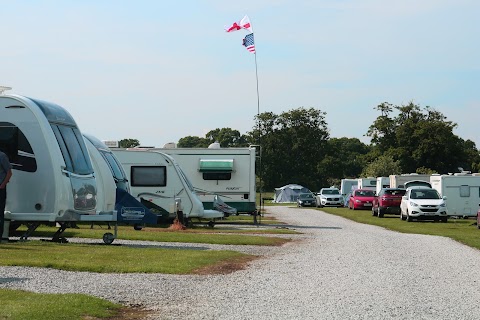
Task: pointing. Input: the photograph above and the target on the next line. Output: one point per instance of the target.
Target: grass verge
(461, 230)
(22, 305)
(113, 259)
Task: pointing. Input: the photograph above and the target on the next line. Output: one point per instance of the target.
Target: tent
(289, 193)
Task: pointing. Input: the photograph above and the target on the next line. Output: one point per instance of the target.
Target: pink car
(361, 199)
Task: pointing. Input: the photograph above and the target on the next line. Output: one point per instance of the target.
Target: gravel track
(339, 270)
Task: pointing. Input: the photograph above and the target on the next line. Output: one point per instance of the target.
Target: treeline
(296, 146)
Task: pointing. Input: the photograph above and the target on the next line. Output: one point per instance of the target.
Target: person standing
(5, 175)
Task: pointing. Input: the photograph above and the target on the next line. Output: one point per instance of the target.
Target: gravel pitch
(338, 269)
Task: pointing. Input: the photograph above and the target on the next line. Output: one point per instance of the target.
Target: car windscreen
(330, 192)
(364, 193)
(399, 192)
(306, 196)
(424, 194)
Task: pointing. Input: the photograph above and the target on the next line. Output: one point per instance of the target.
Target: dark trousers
(3, 200)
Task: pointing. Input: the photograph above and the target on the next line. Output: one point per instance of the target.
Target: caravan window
(148, 176)
(464, 191)
(73, 149)
(116, 169)
(16, 146)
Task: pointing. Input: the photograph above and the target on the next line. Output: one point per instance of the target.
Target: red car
(361, 199)
(387, 201)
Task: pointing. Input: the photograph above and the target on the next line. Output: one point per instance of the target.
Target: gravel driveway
(338, 270)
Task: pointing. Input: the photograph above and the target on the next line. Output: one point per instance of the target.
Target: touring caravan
(398, 181)
(367, 183)
(113, 185)
(226, 172)
(53, 178)
(346, 185)
(462, 193)
(160, 184)
(382, 182)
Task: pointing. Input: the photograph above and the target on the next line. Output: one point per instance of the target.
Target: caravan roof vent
(215, 145)
(170, 145)
(3, 89)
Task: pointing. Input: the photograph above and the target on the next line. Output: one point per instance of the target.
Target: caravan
(382, 183)
(367, 183)
(113, 186)
(225, 172)
(411, 179)
(347, 185)
(53, 177)
(160, 184)
(462, 193)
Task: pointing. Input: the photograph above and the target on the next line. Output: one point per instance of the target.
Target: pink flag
(242, 24)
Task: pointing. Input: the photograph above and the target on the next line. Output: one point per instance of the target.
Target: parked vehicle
(306, 200)
(387, 201)
(53, 176)
(367, 183)
(347, 185)
(398, 181)
(478, 218)
(423, 204)
(462, 192)
(329, 197)
(361, 199)
(382, 182)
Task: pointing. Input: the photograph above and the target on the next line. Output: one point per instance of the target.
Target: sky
(158, 71)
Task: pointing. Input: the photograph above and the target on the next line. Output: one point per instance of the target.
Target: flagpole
(259, 134)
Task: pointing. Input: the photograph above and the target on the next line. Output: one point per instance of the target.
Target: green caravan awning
(216, 165)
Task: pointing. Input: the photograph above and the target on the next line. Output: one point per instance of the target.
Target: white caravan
(382, 182)
(159, 183)
(226, 172)
(347, 185)
(462, 193)
(113, 186)
(398, 181)
(53, 178)
(367, 183)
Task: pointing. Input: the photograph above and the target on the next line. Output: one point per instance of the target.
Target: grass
(461, 230)
(22, 305)
(226, 236)
(112, 259)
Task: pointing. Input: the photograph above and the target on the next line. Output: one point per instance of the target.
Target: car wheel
(380, 212)
(409, 218)
(445, 219)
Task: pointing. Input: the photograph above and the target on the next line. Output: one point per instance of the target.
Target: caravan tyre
(137, 227)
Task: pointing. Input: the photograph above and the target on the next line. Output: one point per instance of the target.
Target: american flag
(248, 43)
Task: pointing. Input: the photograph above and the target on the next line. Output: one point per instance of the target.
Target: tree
(193, 142)
(383, 166)
(227, 138)
(293, 143)
(128, 143)
(419, 137)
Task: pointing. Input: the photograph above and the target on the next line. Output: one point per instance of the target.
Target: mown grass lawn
(23, 305)
(462, 230)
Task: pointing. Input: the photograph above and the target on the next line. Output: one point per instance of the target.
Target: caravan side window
(16, 146)
(148, 176)
(464, 191)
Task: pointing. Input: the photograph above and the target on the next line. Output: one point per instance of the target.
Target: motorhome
(225, 172)
(462, 192)
(382, 182)
(398, 181)
(347, 185)
(367, 183)
(160, 184)
(53, 178)
(113, 186)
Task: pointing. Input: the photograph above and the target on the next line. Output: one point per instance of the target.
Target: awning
(216, 165)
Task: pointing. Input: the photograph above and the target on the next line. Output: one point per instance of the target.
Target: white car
(423, 203)
(329, 197)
